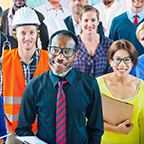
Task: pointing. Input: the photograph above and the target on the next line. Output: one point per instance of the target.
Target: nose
(61, 56)
(27, 36)
(89, 23)
(122, 62)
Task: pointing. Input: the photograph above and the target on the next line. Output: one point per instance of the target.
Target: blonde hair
(139, 28)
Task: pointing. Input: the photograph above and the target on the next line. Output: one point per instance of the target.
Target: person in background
(109, 9)
(20, 65)
(124, 26)
(6, 41)
(138, 70)
(63, 98)
(5, 4)
(2, 122)
(7, 19)
(92, 47)
(72, 21)
(122, 86)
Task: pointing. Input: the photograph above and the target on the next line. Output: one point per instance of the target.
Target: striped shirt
(28, 70)
(95, 65)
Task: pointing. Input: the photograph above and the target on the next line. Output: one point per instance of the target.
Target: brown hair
(139, 28)
(87, 8)
(123, 44)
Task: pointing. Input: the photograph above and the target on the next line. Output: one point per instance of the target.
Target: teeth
(59, 64)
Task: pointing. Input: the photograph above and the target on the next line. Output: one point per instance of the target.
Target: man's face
(137, 3)
(75, 5)
(26, 37)
(19, 3)
(60, 64)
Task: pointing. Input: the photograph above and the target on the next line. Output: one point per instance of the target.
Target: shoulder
(68, 18)
(40, 15)
(120, 17)
(5, 13)
(99, 5)
(87, 79)
(106, 41)
(1, 101)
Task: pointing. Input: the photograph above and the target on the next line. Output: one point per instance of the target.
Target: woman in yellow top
(122, 86)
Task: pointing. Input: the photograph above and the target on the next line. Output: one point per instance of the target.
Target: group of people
(56, 94)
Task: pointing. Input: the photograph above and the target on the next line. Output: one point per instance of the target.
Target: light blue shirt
(35, 3)
(131, 15)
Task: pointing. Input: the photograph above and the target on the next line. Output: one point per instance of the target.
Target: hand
(1, 141)
(123, 128)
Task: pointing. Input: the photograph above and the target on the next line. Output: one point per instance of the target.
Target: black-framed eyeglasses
(67, 52)
(126, 60)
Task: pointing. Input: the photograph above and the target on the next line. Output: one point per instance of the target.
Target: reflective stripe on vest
(14, 81)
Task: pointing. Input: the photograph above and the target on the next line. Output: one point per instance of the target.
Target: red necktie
(61, 115)
(135, 20)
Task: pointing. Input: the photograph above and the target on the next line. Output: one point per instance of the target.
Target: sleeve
(112, 33)
(2, 120)
(27, 113)
(95, 118)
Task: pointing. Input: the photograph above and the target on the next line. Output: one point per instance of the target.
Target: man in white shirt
(54, 9)
(108, 10)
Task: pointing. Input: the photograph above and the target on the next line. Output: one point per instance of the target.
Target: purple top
(95, 65)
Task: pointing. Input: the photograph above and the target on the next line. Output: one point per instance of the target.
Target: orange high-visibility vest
(14, 83)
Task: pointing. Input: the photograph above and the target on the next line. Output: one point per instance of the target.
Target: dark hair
(87, 8)
(123, 44)
(1, 12)
(65, 33)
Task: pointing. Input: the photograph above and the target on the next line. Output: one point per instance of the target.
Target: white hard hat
(25, 16)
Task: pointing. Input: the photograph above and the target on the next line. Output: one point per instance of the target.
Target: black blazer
(43, 28)
(69, 23)
(3, 38)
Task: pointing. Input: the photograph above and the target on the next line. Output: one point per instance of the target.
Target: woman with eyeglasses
(138, 70)
(92, 47)
(122, 86)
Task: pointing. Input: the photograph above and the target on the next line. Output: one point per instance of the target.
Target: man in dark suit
(6, 41)
(7, 18)
(72, 21)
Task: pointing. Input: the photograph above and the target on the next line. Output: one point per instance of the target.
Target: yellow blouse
(136, 136)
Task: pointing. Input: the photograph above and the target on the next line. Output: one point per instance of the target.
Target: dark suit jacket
(43, 28)
(12, 42)
(69, 23)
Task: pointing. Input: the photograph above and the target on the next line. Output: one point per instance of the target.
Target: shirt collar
(74, 22)
(132, 14)
(49, 7)
(69, 77)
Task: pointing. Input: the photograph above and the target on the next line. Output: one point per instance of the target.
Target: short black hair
(66, 33)
(1, 12)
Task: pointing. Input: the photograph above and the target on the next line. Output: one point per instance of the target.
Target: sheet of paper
(30, 139)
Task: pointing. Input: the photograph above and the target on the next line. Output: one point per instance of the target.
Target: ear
(86, 2)
(14, 34)
(110, 62)
(69, 3)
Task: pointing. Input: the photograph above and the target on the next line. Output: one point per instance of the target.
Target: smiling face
(138, 4)
(89, 22)
(121, 69)
(26, 36)
(60, 64)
